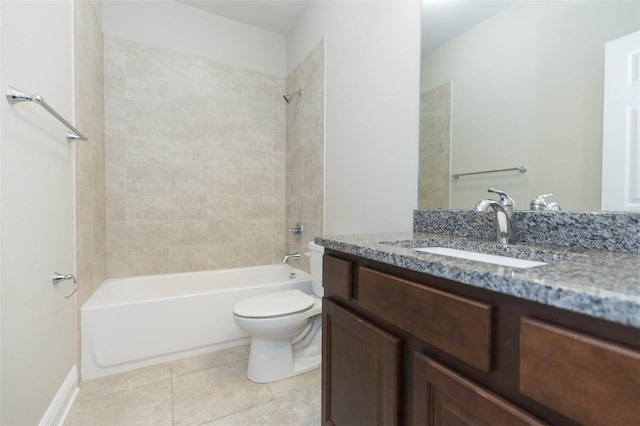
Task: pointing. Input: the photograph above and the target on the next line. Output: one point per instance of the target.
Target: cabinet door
(443, 397)
(360, 370)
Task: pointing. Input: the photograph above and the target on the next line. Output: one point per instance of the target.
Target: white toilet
(286, 328)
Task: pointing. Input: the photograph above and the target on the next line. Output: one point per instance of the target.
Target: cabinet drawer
(336, 276)
(586, 379)
(459, 326)
(444, 397)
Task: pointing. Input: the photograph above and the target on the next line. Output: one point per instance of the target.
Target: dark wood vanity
(404, 347)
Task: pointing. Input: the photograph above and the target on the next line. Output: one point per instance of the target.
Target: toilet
(286, 328)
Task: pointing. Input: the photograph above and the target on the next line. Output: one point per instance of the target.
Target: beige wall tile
(116, 177)
(257, 184)
(90, 157)
(223, 256)
(189, 207)
(305, 153)
(147, 179)
(257, 207)
(225, 207)
(213, 170)
(253, 254)
(116, 263)
(116, 235)
(116, 206)
(222, 183)
(225, 231)
(190, 258)
(189, 181)
(257, 231)
(185, 233)
(148, 261)
(143, 206)
(148, 234)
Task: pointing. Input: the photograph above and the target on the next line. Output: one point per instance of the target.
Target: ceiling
(444, 20)
(441, 20)
(276, 16)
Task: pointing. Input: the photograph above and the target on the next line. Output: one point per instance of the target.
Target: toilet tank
(315, 261)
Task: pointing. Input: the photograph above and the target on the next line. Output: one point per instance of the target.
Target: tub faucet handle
(297, 229)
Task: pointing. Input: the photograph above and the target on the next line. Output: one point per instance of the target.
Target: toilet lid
(273, 304)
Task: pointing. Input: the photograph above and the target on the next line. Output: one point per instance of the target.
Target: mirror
(519, 83)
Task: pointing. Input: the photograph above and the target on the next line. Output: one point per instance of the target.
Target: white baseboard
(61, 404)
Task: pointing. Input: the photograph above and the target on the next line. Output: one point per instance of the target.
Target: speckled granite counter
(597, 283)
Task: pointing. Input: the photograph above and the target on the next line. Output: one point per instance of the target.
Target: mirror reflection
(519, 84)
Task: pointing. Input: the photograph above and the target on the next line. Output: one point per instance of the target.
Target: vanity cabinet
(360, 372)
(402, 347)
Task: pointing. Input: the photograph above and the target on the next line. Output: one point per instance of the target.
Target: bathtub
(136, 322)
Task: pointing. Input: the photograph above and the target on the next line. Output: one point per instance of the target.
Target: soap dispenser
(541, 204)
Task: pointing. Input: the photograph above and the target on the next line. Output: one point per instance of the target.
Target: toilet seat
(273, 305)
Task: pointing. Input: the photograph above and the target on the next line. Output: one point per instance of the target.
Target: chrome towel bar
(521, 169)
(15, 96)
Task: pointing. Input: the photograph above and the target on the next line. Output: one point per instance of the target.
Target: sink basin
(512, 262)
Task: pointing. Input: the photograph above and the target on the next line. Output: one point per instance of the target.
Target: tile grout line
(281, 410)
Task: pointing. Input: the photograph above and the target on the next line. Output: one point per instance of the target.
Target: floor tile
(209, 360)
(301, 407)
(299, 382)
(144, 405)
(123, 381)
(206, 388)
(268, 414)
(216, 392)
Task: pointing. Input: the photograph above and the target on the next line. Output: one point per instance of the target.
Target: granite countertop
(598, 283)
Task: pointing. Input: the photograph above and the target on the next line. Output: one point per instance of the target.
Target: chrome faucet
(540, 203)
(503, 210)
(288, 256)
(296, 230)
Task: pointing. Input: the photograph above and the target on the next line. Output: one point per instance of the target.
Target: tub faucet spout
(288, 256)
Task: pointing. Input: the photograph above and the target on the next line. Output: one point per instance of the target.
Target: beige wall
(37, 335)
(527, 90)
(372, 105)
(305, 153)
(195, 160)
(90, 155)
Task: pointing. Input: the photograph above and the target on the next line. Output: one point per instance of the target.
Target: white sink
(482, 257)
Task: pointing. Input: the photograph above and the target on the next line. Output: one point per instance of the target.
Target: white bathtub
(136, 322)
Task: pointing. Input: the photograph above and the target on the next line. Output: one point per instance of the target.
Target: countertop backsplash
(611, 231)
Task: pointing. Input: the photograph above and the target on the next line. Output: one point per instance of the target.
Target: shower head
(287, 98)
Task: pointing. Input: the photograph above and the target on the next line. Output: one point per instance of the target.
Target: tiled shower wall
(90, 154)
(435, 148)
(305, 152)
(195, 162)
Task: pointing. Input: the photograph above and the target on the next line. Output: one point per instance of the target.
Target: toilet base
(272, 360)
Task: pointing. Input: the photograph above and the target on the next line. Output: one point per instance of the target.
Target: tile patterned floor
(209, 389)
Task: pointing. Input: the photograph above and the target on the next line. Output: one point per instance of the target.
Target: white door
(37, 216)
(621, 120)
